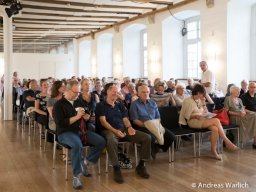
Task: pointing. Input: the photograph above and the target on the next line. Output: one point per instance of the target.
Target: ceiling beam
(78, 9)
(59, 20)
(72, 17)
(174, 6)
(65, 3)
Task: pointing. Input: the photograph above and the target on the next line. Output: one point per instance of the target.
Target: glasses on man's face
(74, 92)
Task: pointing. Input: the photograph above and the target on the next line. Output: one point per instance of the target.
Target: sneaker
(77, 184)
(85, 170)
(118, 175)
(142, 171)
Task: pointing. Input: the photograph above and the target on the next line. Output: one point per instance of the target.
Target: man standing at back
(208, 78)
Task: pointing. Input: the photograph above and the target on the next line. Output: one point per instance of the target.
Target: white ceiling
(49, 23)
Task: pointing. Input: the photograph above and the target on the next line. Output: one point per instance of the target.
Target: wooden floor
(25, 167)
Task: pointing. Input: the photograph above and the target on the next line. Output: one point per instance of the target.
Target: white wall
(172, 48)
(238, 65)
(32, 65)
(85, 59)
(132, 51)
(105, 56)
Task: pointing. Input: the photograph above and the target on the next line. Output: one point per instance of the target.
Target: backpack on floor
(124, 161)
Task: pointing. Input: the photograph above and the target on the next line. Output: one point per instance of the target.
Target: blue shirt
(144, 112)
(114, 115)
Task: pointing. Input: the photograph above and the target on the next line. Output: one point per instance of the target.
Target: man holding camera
(113, 123)
(69, 121)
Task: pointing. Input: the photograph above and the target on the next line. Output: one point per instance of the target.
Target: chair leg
(40, 134)
(194, 140)
(136, 154)
(29, 126)
(66, 175)
(45, 136)
(106, 170)
(54, 154)
(99, 167)
(199, 144)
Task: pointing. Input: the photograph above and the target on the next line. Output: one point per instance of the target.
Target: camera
(87, 111)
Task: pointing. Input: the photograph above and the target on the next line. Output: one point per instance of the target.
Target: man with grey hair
(113, 124)
(249, 98)
(244, 87)
(144, 109)
(207, 79)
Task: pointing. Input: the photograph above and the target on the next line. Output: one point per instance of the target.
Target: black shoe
(142, 171)
(118, 175)
(254, 146)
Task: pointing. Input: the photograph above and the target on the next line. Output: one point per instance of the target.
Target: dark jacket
(63, 110)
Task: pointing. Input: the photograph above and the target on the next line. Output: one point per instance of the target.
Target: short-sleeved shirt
(31, 93)
(42, 102)
(144, 111)
(208, 76)
(249, 101)
(114, 115)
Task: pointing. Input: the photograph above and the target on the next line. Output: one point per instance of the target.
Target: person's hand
(198, 117)
(131, 131)
(80, 112)
(119, 134)
(86, 116)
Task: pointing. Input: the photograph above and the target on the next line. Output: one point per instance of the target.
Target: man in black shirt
(249, 98)
(69, 120)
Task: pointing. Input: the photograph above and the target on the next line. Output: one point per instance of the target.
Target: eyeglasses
(75, 92)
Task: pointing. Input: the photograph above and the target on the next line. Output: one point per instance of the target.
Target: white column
(8, 54)
(76, 57)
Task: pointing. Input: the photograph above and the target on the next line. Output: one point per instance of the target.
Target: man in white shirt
(208, 78)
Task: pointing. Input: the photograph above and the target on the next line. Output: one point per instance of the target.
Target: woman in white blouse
(192, 114)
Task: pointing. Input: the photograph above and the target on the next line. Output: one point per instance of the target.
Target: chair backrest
(169, 117)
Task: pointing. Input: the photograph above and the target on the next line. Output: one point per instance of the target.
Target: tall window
(144, 53)
(192, 47)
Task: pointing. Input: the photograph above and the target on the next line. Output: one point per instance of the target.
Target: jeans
(73, 140)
